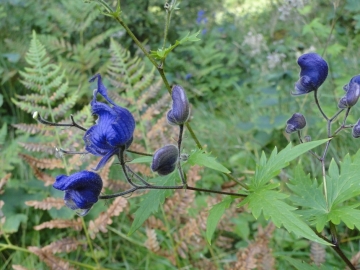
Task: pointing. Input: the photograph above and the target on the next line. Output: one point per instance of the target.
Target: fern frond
(60, 224)
(42, 163)
(151, 242)
(99, 224)
(64, 245)
(30, 128)
(49, 259)
(317, 253)
(48, 148)
(48, 81)
(47, 203)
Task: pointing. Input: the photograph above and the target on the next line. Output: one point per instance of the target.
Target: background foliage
(238, 77)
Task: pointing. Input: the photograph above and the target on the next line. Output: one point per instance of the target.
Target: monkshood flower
(165, 159)
(82, 190)
(295, 123)
(114, 128)
(352, 95)
(356, 130)
(180, 110)
(314, 71)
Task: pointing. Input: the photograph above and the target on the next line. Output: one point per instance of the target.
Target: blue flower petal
(314, 71)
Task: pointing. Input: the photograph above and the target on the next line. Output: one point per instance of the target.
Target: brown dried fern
(317, 253)
(60, 224)
(64, 245)
(99, 224)
(151, 242)
(48, 148)
(47, 203)
(50, 260)
(3, 182)
(42, 176)
(45, 163)
(258, 253)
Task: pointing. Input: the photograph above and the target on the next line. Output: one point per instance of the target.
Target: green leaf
(310, 197)
(215, 215)
(347, 214)
(201, 158)
(300, 265)
(271, 204)
(3, 134)
(12, 223)
(267, 169)
(145, 159)
(151, 201)
(161, 54)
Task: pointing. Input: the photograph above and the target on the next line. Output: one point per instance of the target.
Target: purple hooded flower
(352, 95)
(314, 71)
(180, 110)
(82, 190)
(165, 159)
(114, 128)
(356, 130)
(295, 123)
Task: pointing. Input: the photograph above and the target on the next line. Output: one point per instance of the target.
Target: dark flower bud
(307, 138)
(352, 95)
(356, 130)
(82, 190)
(165, 159)
(314, 71)
(295, 123)
(180, 110)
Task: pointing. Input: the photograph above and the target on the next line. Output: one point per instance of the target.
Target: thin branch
(37, 117)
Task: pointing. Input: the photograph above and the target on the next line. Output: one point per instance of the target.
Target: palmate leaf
(151, 201)
(267, 169)
(271, 204)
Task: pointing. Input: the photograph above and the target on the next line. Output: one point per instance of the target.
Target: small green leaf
(151, 201)
(201, 158)
(161, 54)
(215, 215)
(145, 159)
(12, 223)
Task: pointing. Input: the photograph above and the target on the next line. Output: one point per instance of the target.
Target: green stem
(89, 242)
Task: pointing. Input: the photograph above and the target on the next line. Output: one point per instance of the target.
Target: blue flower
(180, 111)
(82, 190)
(314, 71)
(114, 128)
(356, 130)
(295, 123)
(165, 159)
(352, 95)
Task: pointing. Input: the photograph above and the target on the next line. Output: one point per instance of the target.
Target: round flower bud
(295, 123)
(352, 95)
(314, 71)
(180, 110)
(165, 159)
(356, 130)
(307, 138)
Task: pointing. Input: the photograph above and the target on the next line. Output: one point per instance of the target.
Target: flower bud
(352, 95)
(314, 71)
(356, 130)
(295, 123)
(165, 159)
(180, 110)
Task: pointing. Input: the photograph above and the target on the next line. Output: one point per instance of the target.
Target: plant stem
(48, 123)
(89, 242)
(318, 105)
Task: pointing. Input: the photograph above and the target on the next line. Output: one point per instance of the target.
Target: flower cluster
(112, 132)
(111, 135)
(314, 71)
